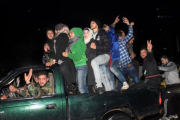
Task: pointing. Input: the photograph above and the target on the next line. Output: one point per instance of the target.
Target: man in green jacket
(76, 51)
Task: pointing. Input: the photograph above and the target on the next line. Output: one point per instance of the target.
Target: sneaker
(164, 118)
(172, 116)
(100, 90)
(125, 86)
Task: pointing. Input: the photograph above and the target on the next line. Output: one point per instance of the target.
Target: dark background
(24, 24)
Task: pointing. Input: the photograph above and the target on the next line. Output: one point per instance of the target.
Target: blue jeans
(114, 69)
(111, 77)
(81, 78)
(131, 71)
(95, 63)
(104, 77)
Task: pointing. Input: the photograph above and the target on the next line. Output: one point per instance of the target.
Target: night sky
(24, 22)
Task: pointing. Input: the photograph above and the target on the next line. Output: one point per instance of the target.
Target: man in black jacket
(66, 67)
(102, 46)
(150, 68)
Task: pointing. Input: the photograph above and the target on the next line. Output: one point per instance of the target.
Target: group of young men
(111, 58)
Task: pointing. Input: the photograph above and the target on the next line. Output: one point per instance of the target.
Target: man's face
(86, 34)
(106, 28)
(65, 30)
(50, 34)
(93, 25)
(164, 61)
(71, 34)
(42, 80)
(143, 53)
(122, 36)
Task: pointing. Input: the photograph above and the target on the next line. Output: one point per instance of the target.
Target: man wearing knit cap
(102, 46)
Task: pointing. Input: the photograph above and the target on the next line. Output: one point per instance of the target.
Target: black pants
(168, 93)
(68, 71)
(136, 65)
(151, 82)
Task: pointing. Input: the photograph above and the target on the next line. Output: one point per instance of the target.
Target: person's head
(87, 33)
(131, 41)
(76, 31)
(143, 52)
(120, 34)
(95, 24)
(164, 59)
(106, 27)
(43, 78)
(61, 28)
(50, 34)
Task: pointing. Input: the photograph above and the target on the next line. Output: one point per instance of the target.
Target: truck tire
(119, 116)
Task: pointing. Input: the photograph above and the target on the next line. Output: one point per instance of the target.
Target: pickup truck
(130, 104)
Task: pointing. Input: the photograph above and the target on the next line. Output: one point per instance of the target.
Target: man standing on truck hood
(172, 81)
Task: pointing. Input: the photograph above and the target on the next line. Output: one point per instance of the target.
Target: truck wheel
(119, 116)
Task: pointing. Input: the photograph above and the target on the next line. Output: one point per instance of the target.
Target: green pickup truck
(130, 104)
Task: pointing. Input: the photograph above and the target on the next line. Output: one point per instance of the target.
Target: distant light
(164, 48)
(157, 9)
(39, 29)
(160, 29)
(29, 10)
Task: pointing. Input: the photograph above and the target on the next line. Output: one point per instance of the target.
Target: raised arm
(128, 37)
(149, 50)
(115, 21)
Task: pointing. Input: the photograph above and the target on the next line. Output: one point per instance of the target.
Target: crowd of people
(93, 58)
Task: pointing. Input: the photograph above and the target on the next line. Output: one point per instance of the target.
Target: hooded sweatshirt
(77, 48)
(90, 53)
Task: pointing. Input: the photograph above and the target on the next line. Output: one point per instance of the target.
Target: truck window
(19, 89)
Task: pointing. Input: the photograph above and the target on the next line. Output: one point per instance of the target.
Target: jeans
(111, 77)
(131, 71)
(114, 69)
(104, 78)
(81, 78)
(95, 63)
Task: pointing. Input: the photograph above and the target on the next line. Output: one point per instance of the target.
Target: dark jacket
(90, 54)
(150, 66)
(62, 41)
(103, 44)
(47, 56)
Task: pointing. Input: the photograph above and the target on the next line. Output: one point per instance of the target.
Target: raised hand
(28, 77)
(125, 20)
(132, 23)
(116, 19)
(149, 46)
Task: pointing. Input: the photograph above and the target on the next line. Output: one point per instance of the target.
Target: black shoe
(100, 90)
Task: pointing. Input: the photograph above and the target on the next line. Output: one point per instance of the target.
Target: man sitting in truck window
(24, 92)
(43, 88)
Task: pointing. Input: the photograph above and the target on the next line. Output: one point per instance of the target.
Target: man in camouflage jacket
(34, 89)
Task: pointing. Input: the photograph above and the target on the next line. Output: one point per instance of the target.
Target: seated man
(34, 90)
